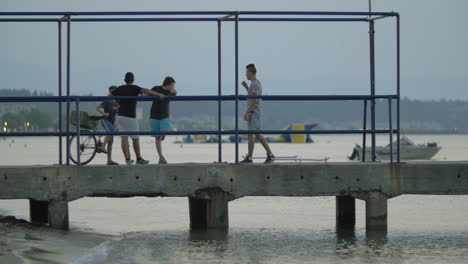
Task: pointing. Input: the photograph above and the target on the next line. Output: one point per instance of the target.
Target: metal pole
(220, 149)
(77, 108)
(68, 89)
(237, 84)
(60, 88)
(398, 88)
(390, 127)
(372, 83)
(364, 135)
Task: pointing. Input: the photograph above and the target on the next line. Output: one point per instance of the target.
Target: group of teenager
(120, 115)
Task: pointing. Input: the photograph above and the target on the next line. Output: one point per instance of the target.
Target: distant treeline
(417, 116)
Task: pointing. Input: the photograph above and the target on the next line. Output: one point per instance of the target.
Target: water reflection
(196, 235)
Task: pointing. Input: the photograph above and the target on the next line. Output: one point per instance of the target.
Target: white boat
(408, 151)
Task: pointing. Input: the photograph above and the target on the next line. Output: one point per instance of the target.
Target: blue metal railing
(207, 16)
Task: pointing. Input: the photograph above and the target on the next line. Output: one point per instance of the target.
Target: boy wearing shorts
(159, 117)
(108, 109)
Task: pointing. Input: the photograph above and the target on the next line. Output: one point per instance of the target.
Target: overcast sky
(292, 58)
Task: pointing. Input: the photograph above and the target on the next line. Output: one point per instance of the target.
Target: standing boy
(159, 118)
(108, 109)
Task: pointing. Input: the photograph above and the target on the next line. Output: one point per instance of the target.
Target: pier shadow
(220, 235)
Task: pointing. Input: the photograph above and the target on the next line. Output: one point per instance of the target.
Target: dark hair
(168, 81)
(112, 88)
(251, 68)
(129, 77)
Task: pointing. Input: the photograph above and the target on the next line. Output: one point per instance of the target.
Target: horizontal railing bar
(174, 13)
(186, 19)
(11, 99)
(119, 13)
(151, 19)
(198, 132)
(29, 20)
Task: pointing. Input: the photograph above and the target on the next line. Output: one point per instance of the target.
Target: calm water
(422, 229)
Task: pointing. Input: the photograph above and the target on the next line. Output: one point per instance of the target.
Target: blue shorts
(109, 127)
(160, 125)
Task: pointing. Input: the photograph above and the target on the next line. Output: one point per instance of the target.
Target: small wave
(97, 254)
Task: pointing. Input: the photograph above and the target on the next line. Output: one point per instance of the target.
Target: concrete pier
(210, 187)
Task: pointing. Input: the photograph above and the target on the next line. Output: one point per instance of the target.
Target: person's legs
(123, 125)
(162, 159)
(133, 126)
(109, 154)
(164, 125)
(156, 127)
(251, 145)
(136, 147)
(125, 148)
(109, 127)
(264, 143)
(105, 141)
(158, 146)
(254, 124)
(109, 150)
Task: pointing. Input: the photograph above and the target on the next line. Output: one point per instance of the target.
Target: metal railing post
(68, 87)
(390, 125)
(220, 148)
(60, 89)
(364, 135)
(372, 82)
(398, 87)
(237, 84)
(78, 125)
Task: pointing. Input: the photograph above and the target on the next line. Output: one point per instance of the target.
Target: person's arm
(246, 86)
(115, 104)
(174, 92)
(153, 93)
(99, 109)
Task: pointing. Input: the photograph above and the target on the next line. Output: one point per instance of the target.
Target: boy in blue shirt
(108, 109)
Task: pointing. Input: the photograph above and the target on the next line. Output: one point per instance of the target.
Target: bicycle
(89, 144)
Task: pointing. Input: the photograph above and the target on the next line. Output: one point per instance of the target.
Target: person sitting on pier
(159, 117)
(126, 119)
(108, 109)
(253, 113)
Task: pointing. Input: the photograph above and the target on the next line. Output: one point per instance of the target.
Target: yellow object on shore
(298, 138)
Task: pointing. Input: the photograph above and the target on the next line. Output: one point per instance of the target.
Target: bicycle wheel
(87, 149)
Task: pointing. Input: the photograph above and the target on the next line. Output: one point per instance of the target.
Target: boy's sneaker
(142, 161)
(270, 158)
(129, 162)
(162, 161)
(247, 160)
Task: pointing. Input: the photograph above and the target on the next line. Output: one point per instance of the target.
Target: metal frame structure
(219, 17)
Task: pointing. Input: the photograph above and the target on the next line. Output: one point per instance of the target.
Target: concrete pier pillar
(345, 212)
(210, 211)
(376, 211)
(53, 212)
(58, 214)
(38, 211)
